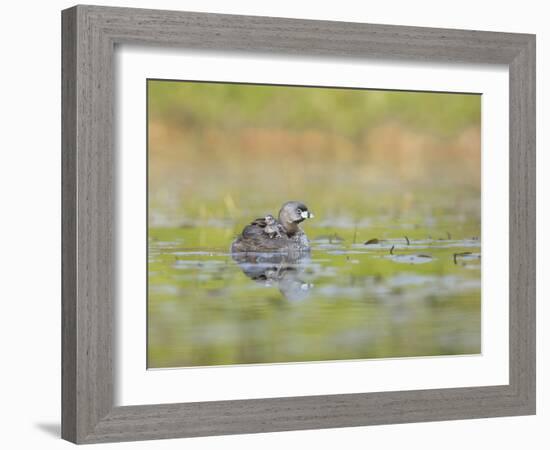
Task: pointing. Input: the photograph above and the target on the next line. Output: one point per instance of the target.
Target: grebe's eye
(299, 211)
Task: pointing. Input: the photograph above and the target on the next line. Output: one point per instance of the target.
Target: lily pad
(372, 241)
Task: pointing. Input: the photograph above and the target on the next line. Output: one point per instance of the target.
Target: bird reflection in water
(283, 270)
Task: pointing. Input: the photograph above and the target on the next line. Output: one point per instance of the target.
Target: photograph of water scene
(293, 224)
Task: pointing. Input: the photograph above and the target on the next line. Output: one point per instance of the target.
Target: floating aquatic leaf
(372, 241)
(456, 255)
(410, 259)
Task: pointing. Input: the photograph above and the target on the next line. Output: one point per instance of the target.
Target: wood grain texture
(523, 224)
(68, 225)
(89, 37)
(88, 208)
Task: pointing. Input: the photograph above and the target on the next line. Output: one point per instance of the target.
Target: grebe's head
(293, 213)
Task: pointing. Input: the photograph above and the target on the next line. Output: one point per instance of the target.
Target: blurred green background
(399, 167)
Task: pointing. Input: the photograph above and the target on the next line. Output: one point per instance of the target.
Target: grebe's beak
(307, 215)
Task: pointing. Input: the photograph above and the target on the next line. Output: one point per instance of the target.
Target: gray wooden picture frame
(90, 34)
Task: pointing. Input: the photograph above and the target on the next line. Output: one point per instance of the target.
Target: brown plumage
(254, 237)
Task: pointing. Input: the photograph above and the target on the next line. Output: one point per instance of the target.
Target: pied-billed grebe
(254, 237)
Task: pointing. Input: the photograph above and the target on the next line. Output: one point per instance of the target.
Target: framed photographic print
(278, 224)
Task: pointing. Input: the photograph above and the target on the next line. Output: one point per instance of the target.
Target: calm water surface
(415, 290)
